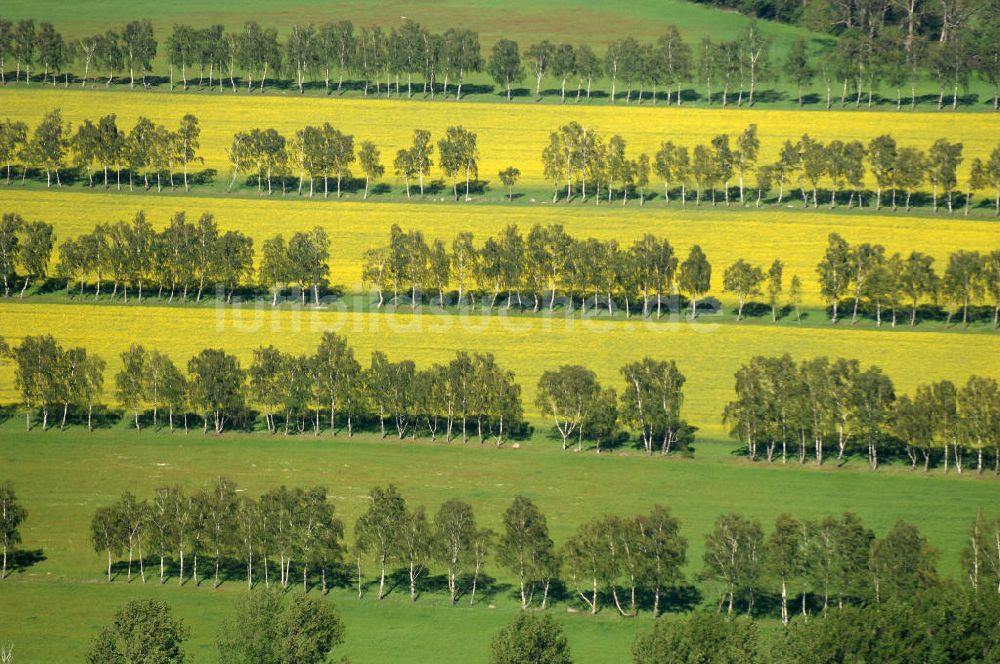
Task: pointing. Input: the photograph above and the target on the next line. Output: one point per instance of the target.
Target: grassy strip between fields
(675, 309)
(209, 183)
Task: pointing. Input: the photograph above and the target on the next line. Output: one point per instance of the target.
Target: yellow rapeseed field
(707, 354)
(798, 237)
(511, 134)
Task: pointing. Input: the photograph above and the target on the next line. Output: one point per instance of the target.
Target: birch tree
(523, 545)
(420, 155)
(744, 280)
(130, 381)
(882, 155)
(139, 48)
(833, 271)
(567, 395)
(695, 277)
(12, 515)
(340, 377)
(369, 159)
(540, 55)
(187, 143)
(979, 410)
(379, 530)
(49, 145)
(745, 157)
(963, 283)
(455, 540)
(301, 49)
(217, 387)
(504, 65)
(508, 177)
(756, 51)
(13, 141)
(734, 552)
(662, 552)
(181, 51)
(783, 550)
(942, 164)
(651, 402)
(774, 286)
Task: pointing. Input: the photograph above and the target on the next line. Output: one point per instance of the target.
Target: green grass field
(63, 477)
(570, 20)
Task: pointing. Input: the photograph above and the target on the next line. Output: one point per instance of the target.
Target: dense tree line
(548, 266)
(183, 258)
(470, 392)
(148, 149)
(650, 403)
(631, 562)
(944, 624)
(890, 43)
(297, 529)
(866, 277)
(544, 268)
(576, 157)
(283, 526)
(51, 378)
(881, 44)
(288, 392)
(783, 408)
(325, 152)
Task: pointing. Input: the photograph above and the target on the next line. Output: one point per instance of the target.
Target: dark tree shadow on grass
(487, 588)
(706, 306)
(767, 96)
(377, 189)
(477, 89)
(811, 99)
(434, 583)
(680, 598)
(755, 310)
(8, 412)
(22, 559)
(203, 177)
